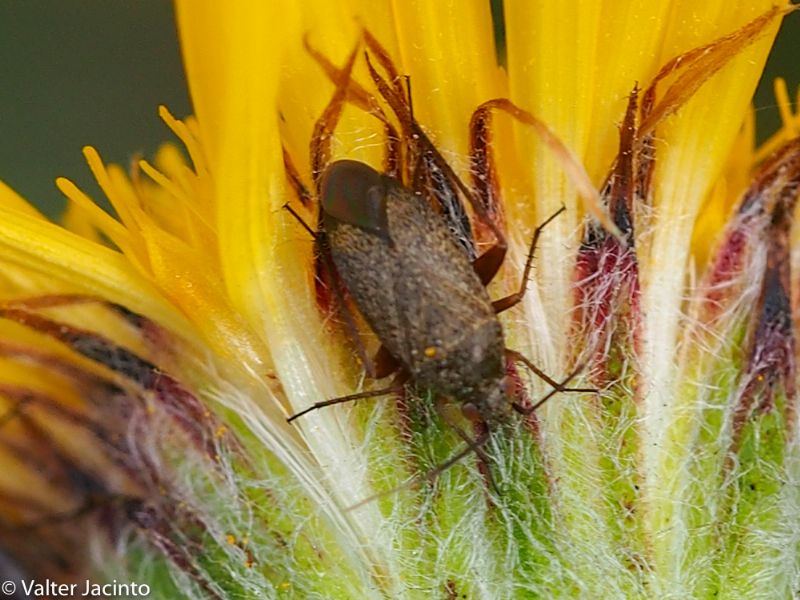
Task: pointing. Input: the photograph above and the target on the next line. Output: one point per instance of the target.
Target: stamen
(116, 232)
(186, 136)
(123, 206)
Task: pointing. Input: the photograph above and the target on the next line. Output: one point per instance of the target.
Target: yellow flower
(153, 359)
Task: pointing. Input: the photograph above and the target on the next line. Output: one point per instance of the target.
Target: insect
(409, 276)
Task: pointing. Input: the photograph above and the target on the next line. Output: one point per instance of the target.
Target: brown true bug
(406, 272)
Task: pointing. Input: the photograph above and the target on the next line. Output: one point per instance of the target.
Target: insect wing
(450, 206)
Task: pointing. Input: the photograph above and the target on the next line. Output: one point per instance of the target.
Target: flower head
(153, 359)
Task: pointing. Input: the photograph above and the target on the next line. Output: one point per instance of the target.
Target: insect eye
(354, 193)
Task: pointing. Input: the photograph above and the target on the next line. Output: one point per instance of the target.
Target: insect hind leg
(426, 171)
(320, 147)
(355, 94)
(375, 371)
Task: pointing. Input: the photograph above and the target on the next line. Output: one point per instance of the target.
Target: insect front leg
(486, 189)
(515, 298)
(485, 182)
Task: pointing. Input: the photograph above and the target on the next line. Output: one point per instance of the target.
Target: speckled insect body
(416, 287)
(399, 244)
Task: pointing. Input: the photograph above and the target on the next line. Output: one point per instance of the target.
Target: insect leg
(572, 167)
(395, 388)
(474, 445)
(431, 475)
(515, 298)
(356, 95)
(347, 90)
(488, 264)
(486, 189)
(421, 145)
(320, 157)
(323, 129)
(515, 356)
(385, 61)
(485, 178)
(326, 262)
(558, 386)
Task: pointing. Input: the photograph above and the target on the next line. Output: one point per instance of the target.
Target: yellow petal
(202, 29)
(80, 265)
(188, 275)
(265, 255)
(10, 199)
(447, 48)
(79, 222)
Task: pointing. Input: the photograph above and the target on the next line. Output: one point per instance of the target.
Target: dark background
(94, 71)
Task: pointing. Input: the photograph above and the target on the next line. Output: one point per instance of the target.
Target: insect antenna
(515, 356)
(302, 221)
(474, 446)
(557, 387)
(295, 181)
(407, 79)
